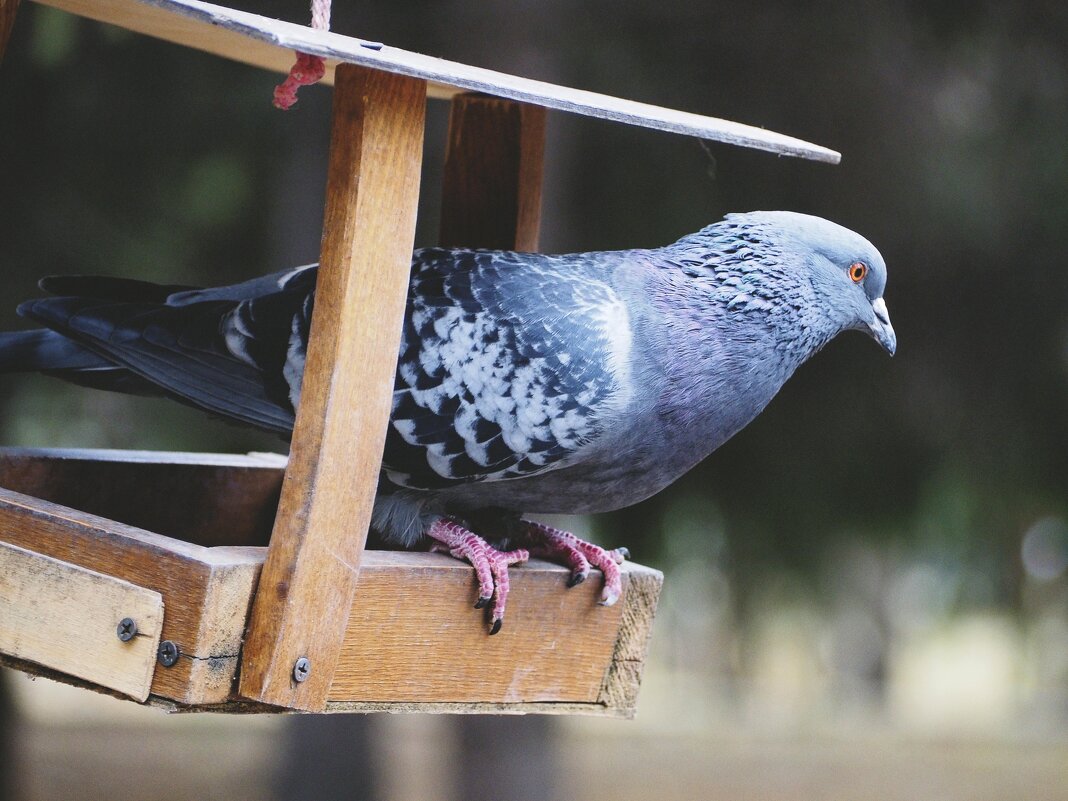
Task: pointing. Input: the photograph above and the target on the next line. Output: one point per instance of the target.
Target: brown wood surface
(66, 617)
(368, 233)
(491, 195)
(206, 591)
(208, 499)
(413, 636)
(8, 11)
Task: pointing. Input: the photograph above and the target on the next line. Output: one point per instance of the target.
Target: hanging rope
(307, 69)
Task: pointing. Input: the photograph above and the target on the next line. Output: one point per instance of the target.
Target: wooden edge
(8, 11)
(624, 675)
(67, 617)
(227, 604)
(243, 707)
(255, 459)
(188, 577)
(265, 42)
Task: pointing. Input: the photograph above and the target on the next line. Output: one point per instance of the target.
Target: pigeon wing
(508, 365)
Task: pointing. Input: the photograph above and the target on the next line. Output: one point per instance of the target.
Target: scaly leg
(565, 548)
(491, 565)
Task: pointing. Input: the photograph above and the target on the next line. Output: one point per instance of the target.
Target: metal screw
(127, 629)
(301, 669)
(168, 653)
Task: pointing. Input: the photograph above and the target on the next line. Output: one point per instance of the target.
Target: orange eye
(857, 271)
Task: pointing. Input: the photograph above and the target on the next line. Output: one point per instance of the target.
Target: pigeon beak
(880, 327)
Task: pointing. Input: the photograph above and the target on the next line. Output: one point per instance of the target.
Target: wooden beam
(8, 10)
(494, 165)
(266, 42)
(67, 618)
(206, 591)
(368, 233)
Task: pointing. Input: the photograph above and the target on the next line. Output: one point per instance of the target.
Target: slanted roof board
(268, 43)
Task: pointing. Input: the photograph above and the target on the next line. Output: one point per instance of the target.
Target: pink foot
(491, 565)
(565, 548)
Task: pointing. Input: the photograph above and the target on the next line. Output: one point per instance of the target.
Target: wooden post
(491, 195)
(309, 578)
(8, 9)
(492, 199)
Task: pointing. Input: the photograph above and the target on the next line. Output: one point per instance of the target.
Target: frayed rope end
(307, 70)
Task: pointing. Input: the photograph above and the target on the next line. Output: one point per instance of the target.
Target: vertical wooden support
(306, 588)
(8, 9)
(491, 198)
(493, 174)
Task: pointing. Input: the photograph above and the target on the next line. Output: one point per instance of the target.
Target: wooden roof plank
(265, 42)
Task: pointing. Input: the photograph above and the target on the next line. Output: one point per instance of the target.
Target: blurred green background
(881, 555)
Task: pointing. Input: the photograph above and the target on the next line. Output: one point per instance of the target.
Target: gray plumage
(525, 383)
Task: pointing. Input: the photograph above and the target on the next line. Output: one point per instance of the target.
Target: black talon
(482, 603)
(576, 579)
(624, 552)
(496, 626)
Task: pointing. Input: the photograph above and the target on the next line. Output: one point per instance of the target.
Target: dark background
(122, 155)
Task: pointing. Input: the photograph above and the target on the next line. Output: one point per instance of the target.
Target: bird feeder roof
(269, 43)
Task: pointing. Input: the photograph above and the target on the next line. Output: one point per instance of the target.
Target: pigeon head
(846, 269)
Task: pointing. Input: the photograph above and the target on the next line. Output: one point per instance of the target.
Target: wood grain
(369, 230)
(623, 678)
(208, 499)
(413, 636)
(8, 11)
(65, 617)
(491, 189)
(265, 42)
(206, 591)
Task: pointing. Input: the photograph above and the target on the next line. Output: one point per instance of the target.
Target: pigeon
(526, 383)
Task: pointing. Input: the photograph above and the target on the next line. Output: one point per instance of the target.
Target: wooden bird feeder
(241, 583)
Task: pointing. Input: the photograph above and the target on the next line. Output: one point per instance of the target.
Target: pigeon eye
(857, 271)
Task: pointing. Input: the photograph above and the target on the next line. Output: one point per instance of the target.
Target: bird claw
(565, 548)
(491, 566)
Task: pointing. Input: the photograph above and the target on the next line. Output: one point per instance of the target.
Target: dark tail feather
(30, 351)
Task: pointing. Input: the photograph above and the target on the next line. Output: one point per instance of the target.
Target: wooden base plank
(414, 638)
(67, 618)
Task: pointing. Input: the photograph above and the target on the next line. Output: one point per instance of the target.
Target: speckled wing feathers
(507, 366)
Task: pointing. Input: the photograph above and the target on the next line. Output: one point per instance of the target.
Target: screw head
(127, 629)
(168, 653)
(301, 669)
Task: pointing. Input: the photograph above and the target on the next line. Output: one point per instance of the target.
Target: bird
(526, 383)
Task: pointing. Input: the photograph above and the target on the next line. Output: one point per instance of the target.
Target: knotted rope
(307, 69)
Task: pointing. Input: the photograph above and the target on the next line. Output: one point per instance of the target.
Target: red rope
(308, 68)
